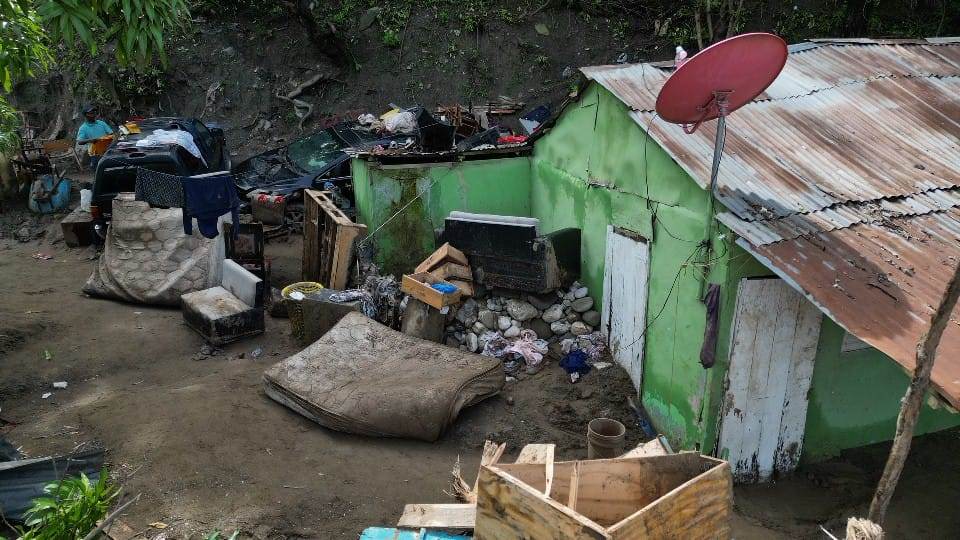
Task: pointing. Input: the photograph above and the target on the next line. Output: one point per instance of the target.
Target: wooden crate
(682, 496)
(328, 241)
(418, 286)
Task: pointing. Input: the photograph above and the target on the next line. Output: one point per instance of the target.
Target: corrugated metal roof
(844, 177)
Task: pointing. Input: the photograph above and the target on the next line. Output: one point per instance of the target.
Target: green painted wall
(591, 170)
(494, 186)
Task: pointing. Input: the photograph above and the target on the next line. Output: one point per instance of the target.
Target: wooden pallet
(328, 241)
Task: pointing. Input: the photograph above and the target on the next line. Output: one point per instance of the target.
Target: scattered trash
(159, 525)
(445, 288)
(42, 256)
(297, 295)
(46, 355)
(45, 395)
(256, 353)
(60, 384)
(602, 365)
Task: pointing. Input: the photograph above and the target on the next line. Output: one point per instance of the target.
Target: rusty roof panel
(881, 282)
(844, 179)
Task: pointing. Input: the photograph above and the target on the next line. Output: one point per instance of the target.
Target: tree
(30, 29)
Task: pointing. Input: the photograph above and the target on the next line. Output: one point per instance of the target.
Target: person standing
(90, 130)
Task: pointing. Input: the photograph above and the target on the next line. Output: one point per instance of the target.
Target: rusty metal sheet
(881, 282)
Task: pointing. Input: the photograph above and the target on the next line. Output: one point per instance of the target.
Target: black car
(117, 170)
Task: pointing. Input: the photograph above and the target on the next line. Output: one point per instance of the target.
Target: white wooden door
(773, 345)
(624, 313)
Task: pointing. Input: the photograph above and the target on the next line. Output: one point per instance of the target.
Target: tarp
(22, 481)
(363, 377)
(148, 259)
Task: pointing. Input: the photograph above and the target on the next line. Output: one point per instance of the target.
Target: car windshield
(314, 152)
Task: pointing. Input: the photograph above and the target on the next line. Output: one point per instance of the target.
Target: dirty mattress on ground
(362, 377)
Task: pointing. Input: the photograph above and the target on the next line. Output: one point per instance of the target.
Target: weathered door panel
(624, 311)
(773, 345)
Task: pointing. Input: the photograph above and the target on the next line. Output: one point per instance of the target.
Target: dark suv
(117, 170)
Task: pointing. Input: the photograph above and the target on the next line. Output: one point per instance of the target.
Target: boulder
(541, 327)
(592, 318)
(488, 318)
(467, 314)
(512, 332)
(553, 314)
(560, 327)
(521, 311)
(494, 304)
(580, 329)
(473, 342)
(572, 316)
(581, 305)
(541, 301)
(581, 292)
(504, 322)
(478, 328)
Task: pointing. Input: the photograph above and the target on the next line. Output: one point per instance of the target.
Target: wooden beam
(574, 486)
(438, 516)
(913, 400)
(540, 454)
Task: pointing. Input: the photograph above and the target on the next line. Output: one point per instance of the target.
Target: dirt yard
(197, 436)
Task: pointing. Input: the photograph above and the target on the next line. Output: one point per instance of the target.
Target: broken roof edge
(950, 403)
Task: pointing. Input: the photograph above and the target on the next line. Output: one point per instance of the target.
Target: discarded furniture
(247, 248)
(328, 241)
(148, 259)
(230, 311)
(77, 228)
(420, 287)
(674, 496)
(509, 252)
(363, 377)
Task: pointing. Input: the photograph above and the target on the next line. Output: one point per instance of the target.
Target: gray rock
(565, 303)
(580, 329)
(553, 314)
(592, 318)
(487, 318)
(494, 304)
(539, 301)
(478, 328)
(504, 322)
(572, 316)
(541, 327)
(560, 327)
(582, 304)
(569, 297)
(581, 292)
(473, 342)
(467, 314)
(512, 332)
(520, 310)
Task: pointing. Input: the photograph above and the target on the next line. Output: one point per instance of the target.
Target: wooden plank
(310, 262)
(343, 254)
(446, 252)
(508, 508)
(540, 454)
(574, 486)
(452, 270)
(466, 288)
(699, 509)
(439, 516)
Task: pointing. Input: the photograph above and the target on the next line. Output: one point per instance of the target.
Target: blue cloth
(445, 288)
(208, 198)
(93, 130)
(575, 362)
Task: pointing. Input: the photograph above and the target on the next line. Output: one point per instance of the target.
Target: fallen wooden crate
(685, 495)
(445, 253)
(328, 241)
(419, 287)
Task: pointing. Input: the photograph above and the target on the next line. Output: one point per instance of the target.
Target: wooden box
(683, 496)
(418, 286)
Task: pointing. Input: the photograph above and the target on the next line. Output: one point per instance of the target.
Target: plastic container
(295, 307)
(86, 197)
(605, 438)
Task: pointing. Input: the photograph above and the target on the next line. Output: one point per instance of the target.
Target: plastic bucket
(294, 307)
(605, 438)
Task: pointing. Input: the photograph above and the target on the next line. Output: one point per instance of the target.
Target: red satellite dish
(721, 78)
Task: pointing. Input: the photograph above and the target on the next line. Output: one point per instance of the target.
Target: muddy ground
(208, 450)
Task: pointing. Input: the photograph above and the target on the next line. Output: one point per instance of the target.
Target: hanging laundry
(206, 198)
(159, 189)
